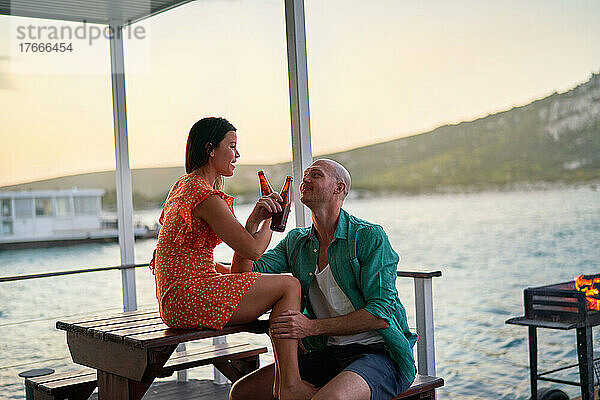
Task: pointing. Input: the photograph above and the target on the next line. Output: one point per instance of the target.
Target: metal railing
(423, 309)
(68, 272)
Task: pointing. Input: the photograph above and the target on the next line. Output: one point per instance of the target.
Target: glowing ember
(590, 287)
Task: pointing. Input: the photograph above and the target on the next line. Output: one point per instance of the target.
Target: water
(489, 246)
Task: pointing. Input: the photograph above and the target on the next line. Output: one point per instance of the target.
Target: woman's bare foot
(300, 391)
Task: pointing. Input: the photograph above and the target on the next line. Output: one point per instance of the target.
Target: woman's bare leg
(257, 385)
(279, 293)
(276, 386)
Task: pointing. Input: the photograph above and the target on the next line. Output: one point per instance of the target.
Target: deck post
(218, 377)
(424, 316)
(123, 171)
(182, 375)
(299, 111)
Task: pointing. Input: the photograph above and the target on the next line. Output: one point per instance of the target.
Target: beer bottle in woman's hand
(265, 187)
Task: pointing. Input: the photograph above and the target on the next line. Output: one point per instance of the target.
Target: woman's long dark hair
(204, 136)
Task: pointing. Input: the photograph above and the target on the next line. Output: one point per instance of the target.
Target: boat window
(86, 205)
(7, 228)
(63, 206)
(5, 210)
(23, 208)
(43, 207)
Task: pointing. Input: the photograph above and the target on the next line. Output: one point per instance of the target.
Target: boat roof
(92, 11)
(51, 193)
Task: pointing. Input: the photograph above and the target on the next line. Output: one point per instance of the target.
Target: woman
(193, 290)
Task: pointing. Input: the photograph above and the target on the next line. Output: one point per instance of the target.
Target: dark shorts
(371, 362)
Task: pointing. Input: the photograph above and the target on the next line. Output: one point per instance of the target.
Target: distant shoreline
(358, 193)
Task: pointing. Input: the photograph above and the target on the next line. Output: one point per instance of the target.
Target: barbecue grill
(561, 306)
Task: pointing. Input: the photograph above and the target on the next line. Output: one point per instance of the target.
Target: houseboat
(46, 218)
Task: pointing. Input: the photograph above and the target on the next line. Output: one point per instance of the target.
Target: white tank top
(328, 301)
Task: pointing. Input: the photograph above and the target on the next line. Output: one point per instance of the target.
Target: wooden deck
(191, 390)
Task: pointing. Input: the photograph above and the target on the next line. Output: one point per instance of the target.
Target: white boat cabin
(49, 214)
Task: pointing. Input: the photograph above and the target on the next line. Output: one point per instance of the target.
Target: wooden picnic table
(130, 349)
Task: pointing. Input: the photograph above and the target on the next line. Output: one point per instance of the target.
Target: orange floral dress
(190, 292)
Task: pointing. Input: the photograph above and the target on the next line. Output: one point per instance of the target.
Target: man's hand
(292, 325)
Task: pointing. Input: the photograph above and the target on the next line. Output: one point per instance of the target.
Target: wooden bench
(422, 388)
(129, 350)
(81, 383)
(73, 385)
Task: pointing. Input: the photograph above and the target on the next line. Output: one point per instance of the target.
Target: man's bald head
(339, 173)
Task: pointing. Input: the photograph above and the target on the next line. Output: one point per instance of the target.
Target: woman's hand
(265, 207)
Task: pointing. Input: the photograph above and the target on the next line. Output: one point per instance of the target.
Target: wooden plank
(78, 385)
(422, 384)
(418, 274)
(109, 356)
(176, 336)
(142, 333)
(61, 375)
(66, 324)
(207, 350)
(83, 327)
(127, 324)
(119, 321)
(111, 386)
(225, 351)
(227, 369)
(49, 387)
(125, 329)
(139, 326)
(192, 389)
(67, 384)
(119, 336)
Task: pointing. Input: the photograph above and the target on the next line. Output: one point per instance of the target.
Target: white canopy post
(300, 114)
(123, 171)
(425, 327)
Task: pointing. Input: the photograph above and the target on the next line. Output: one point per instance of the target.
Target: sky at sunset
(378, 70)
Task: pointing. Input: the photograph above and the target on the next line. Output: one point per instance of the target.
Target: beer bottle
(280, 219)
(265, 187)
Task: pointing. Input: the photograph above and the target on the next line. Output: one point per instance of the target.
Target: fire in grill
(568, 305)
(590, 285)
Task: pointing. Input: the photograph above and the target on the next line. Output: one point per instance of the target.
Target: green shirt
(364, 265)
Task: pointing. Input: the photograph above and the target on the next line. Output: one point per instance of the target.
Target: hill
(554, 139)
(549, 140)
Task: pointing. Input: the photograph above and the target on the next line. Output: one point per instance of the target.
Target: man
(354, 327)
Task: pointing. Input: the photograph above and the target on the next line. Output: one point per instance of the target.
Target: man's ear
(339, 188)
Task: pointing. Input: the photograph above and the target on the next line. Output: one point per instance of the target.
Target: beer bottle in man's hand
(265, 187)
(280, 219)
